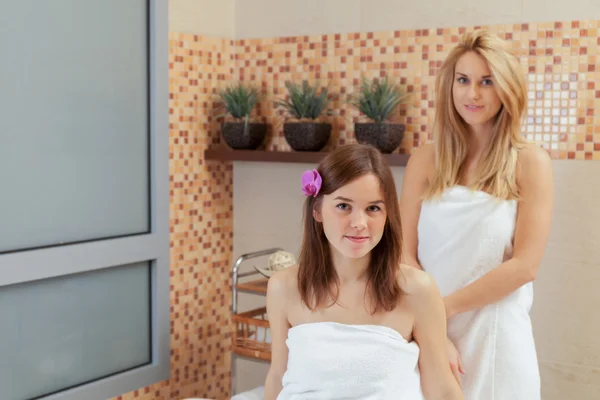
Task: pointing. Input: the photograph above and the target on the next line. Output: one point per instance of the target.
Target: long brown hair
(496, 172)
(317, 279)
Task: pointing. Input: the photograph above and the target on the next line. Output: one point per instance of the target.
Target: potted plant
(377, 99)
(238, 131)
(305, 131)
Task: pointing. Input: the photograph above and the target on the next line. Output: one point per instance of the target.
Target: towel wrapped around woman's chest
(329, 361)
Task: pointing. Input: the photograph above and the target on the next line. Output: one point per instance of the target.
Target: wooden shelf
(258, 286)
(222, 153)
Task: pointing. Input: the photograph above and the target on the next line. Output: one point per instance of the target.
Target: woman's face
(475, 97)
(354, 217)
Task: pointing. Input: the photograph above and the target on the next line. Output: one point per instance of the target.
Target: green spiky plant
(239, 100)
(377, 99)
(305, 102)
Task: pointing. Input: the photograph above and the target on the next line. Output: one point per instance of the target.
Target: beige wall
(267, 18)
(565, 317)
(202, 17)
(565, 313)
(242, 19)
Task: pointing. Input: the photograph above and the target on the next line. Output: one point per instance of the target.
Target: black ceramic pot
(386, 136)
(307, 136)
(240, 136)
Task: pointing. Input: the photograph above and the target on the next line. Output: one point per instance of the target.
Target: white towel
(254, 394)
(463, 236)
(332, 361)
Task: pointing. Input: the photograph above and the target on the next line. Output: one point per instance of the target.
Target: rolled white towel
(254, 394)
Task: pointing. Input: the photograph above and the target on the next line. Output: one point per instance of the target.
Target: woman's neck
(478, 141)
(350, 270)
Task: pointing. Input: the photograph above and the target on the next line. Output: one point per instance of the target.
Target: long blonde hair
(496, 170)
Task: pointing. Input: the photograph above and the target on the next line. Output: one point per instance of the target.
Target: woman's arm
(536, 188)
(413, 186)
(437, 382)
(279, 325)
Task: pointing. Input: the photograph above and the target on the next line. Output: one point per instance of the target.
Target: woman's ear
(317, 215)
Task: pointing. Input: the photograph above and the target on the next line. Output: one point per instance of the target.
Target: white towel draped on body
(462, 237)
(332, 361)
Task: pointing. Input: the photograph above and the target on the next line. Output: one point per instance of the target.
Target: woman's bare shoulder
(415, 282)
(421, 295)
(283, 283)
(534, 164)
(422, 161)
(531, 152)
(424, 154)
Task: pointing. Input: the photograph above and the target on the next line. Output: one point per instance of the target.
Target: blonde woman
(476, 208)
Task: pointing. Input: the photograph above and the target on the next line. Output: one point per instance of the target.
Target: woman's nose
(474, 91)
(358, 220)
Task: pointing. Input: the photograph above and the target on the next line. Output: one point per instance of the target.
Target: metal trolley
(251, 328)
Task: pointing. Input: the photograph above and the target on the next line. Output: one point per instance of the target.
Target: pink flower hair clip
(311, 183)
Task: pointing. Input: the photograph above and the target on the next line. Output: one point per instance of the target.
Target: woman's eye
(343, 206)
(487, 82)
(462, 80)
(374, 208)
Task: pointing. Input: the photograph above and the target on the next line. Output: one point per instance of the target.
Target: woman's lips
(357, 239)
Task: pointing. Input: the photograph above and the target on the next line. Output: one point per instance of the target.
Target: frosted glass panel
(74, 121)
(61, 332)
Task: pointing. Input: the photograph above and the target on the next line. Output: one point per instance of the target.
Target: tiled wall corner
(201, 226)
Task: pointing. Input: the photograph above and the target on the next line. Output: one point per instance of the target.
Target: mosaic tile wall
(559, 59)
(201, 226)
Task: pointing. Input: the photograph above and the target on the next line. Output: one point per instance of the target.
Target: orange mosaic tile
(559, 59)
(201, 226)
